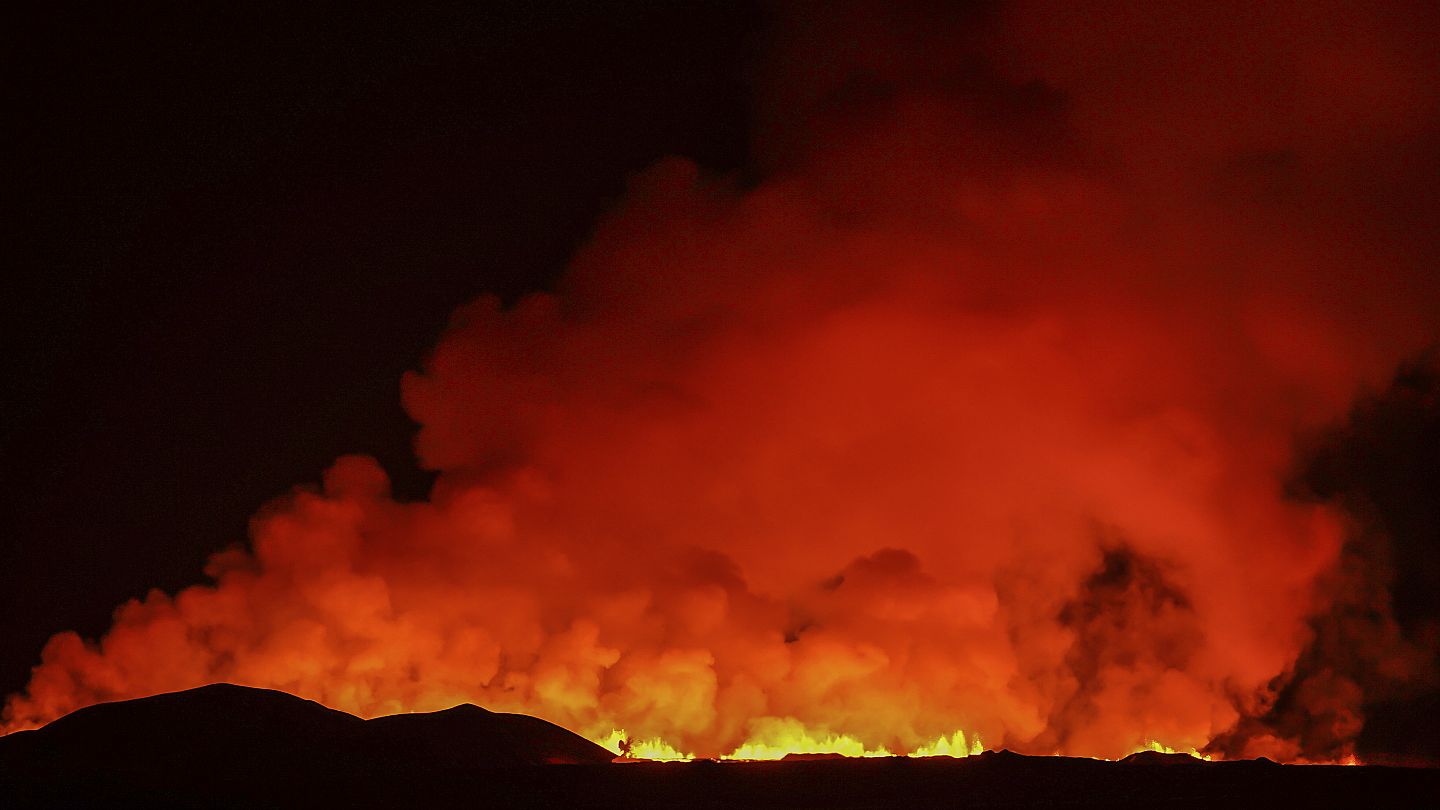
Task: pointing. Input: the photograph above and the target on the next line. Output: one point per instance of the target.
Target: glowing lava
(1151, 745)
(777, 738)
(656, 750)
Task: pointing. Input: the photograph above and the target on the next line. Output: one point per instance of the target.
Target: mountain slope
(244, 744)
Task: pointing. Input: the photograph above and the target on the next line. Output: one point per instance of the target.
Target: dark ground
(998, 780)
(227, 746)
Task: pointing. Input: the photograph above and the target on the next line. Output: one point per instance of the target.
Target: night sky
(240, 225)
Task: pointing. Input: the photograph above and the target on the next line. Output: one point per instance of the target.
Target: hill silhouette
(226, 746)
(236, 743)
(1161, 758)
(469, 736)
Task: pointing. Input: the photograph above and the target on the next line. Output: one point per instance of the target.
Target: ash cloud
(974, 411)
(1370, 676)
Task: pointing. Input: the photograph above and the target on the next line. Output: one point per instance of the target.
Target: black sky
(241, 224)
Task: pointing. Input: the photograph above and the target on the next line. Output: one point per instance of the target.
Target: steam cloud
(977, 412)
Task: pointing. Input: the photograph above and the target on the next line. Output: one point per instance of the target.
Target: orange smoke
(975, 415)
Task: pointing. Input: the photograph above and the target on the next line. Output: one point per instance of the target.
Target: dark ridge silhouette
(235, 743)
(469, 736)
(222, 738)
(225, 746)
(799, 757)
(1161, 758)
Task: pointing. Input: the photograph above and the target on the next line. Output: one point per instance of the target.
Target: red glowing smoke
(975, 414)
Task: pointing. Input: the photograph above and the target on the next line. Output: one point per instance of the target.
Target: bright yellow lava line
(841, 744)
(952, 746)
(654, 749)
(1151, 745)
(776, 740)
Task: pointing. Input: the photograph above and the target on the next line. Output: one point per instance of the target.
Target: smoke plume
(978, 410)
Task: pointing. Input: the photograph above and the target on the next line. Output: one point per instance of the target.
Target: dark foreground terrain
(229, 746)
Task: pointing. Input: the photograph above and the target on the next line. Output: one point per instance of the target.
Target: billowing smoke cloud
(1374, 656)
(976, 413)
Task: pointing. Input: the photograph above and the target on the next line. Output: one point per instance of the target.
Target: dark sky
(241, 225)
